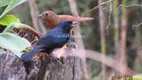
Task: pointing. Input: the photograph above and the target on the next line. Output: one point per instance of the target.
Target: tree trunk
(12, 68)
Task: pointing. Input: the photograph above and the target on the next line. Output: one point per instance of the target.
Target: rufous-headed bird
(55, 38)
(52, 19)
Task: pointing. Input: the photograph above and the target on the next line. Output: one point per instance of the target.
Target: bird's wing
(49, 39)
(45, 41)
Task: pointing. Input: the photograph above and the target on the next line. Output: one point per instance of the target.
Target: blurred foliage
(12, 4)
(13, 42)
(61, 8)
(90, 30)
(9, 40)
(137, 77)
(6, 20)
(4, 2)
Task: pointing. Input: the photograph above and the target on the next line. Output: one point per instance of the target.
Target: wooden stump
(12, 68)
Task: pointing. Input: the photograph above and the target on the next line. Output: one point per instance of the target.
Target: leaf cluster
(9, 40)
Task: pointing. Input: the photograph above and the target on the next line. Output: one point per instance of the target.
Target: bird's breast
(52, 24)
(62, 39)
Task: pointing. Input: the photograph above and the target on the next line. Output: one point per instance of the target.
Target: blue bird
(55, 38)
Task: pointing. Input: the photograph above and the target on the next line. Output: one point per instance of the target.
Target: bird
(55, 38)
(52, 19)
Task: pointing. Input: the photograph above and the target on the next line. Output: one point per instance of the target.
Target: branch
(109, 21)
(30, 29)
(102, 37)
(103, 3)
(109, 62)
(23, 27)
(79, 41)
(38, 25)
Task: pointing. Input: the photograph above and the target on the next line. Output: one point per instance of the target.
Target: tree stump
(12, 68)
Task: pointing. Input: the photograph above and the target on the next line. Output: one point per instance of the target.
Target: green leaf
(12, 4)
(6, 20)
(4, 2)
(137, 77)
(13, 43)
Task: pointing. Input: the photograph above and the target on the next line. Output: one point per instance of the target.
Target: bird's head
(67, 25)
(47, 15)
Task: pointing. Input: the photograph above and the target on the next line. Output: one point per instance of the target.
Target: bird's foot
(37, 56)
(58, 53)
(71, 44)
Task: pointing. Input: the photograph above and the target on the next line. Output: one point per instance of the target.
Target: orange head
(50, 18)
(47, 15)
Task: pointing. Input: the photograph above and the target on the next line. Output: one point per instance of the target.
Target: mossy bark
(12, 68)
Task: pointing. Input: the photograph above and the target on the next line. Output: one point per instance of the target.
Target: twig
(28, 28)
(103, 3)
(25, 35)
(109, 22)
(137, 25)
(132, 5)
(33, 41)
(23, 27)
(14, 32)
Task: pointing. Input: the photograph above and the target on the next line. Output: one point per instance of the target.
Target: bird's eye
(46, 14)
(70, 22)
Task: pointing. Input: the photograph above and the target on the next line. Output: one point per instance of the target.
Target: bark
(47, 68)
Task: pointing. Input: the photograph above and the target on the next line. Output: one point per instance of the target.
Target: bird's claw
(36, 57)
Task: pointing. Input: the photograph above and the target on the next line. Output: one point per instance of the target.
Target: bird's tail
(29, 55)
(86, 19)
(72, 18)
